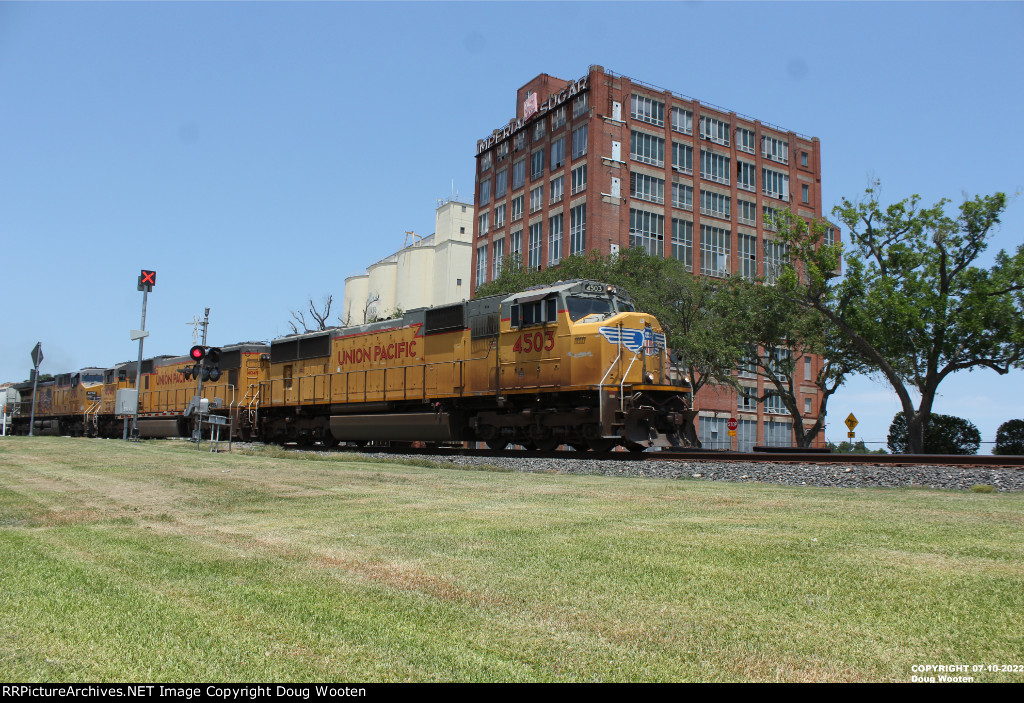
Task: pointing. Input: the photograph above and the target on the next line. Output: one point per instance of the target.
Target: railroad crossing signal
(37, 354)
(206, 363)
(147, 279)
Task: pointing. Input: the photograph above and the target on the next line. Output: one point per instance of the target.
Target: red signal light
(197, 353)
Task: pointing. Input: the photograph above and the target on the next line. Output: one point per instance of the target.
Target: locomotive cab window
(585, 307)
(537, 312)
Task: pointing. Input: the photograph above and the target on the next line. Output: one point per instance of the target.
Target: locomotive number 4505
(535, 342)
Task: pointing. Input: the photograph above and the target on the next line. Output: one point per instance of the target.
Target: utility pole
(147, 279)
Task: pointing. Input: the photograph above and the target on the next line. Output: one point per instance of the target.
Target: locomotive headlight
(649, 377)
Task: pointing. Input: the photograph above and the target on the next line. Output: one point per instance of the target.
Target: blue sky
(254, 154)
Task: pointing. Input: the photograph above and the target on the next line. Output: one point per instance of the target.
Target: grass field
(157, 562)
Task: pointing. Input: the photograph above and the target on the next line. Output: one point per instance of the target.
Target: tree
(912, 302)
(781, 335)
(319, 316)
(1010, 438)
(944, 434)
(859, 447)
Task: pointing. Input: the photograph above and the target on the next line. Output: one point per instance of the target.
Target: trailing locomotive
(565, 364)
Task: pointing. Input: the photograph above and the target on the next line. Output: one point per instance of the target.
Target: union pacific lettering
(168, 378)
(379, 352)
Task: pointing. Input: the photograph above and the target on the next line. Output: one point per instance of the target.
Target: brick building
(606, 161)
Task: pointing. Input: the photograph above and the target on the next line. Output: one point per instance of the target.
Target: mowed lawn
(157, 562)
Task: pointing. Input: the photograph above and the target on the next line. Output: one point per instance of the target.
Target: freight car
(565, 364)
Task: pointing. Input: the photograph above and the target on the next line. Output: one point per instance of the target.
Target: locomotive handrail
(622, 398)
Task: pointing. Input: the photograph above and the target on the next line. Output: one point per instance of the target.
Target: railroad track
(702, 455)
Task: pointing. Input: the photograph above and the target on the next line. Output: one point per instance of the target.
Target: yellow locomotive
(565, 364)
(570, 363)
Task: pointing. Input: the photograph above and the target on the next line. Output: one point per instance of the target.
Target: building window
(682, 242)
(715, 204)
(578, 229)
(807, 406)
(714, 130)
(517, 209)
(805, 192)
(519, 141)
(483, 224)
(485, 161)
(557, 189)
(714, 251)
(537, 198)
(830, 236)
(516, 245)
(499, 216)
(502, 150)
(518, 174)
(778, 434)
(647, 110)
(803, 159)
(579, 178)
(558, 153)
(775, 184)
(536, 235)
(745, 140)
(807, 368)
(747, 399)
(499, 255)
(485, 192)
(746, 212)
(538, 130)
(773, 404)
(746, 246)
(579, 142)
(775, 149)
(558, 118)
(647, 230)
(775, 257)
(746, 178)
(579, 105)
(748, 364)
(500, 183)
(714, 167)
(481, 265)
(769, 214)
(682, 120)
(647, 148)
(647, 188)
(554, 239)
(537, 165)
(713, 434)
(682, 157)
(682, 196)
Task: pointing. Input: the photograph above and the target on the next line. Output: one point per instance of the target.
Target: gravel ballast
(784, 473)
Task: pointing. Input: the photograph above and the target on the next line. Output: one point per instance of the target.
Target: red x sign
(148, 278)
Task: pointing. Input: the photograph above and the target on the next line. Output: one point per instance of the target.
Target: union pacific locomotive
(565, 364)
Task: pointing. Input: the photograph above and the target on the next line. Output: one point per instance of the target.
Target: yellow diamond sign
(851, 422)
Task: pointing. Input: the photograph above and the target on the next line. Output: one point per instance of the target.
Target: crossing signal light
(197, 353)
(206, 363)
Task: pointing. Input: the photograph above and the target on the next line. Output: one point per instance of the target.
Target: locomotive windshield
(580, 307)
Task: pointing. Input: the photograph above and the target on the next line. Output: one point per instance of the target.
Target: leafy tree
(912, 302)
(859, 447)
(944, 434)
(1010, 438)
(781, 334)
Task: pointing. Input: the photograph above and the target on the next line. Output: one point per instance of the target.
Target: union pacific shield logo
(634, 340)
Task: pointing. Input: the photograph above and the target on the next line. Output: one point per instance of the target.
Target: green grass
(157, 562)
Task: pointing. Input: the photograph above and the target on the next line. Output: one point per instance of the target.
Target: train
(567, 364)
